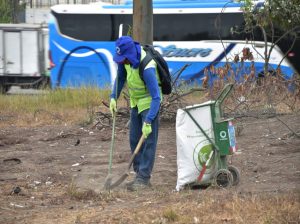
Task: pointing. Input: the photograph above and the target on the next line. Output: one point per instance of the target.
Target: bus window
(86, 27)
(193, 27)
(92, 27)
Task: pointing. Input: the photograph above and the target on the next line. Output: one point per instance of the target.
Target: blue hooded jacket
(126, 48)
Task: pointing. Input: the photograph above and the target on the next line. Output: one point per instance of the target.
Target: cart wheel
(235, 174)
(223, 178)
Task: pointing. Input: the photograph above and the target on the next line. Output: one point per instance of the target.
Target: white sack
(190, 140)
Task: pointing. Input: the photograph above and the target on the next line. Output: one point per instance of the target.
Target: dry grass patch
(84, 195)
(53, 107)
(205, 207)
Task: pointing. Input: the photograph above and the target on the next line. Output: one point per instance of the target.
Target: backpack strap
(144, 63)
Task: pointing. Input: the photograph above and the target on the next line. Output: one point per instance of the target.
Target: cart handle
(226, 90)
(204, 133)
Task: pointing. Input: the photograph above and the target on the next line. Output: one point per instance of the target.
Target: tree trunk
(143, 21)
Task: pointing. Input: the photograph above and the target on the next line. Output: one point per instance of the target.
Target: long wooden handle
(136, 151)
(112, 144)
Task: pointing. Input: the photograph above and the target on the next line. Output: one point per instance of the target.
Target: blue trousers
(144, 160)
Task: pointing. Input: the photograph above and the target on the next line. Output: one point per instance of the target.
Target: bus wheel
(261, 76)
(223, 178)
(235, 174)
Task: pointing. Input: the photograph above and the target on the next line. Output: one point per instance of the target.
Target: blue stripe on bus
(214, 62)
(192, 5)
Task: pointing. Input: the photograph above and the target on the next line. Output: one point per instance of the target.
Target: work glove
(113, 106)
(147, 129)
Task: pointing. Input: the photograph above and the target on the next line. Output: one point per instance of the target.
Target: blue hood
(126, 47)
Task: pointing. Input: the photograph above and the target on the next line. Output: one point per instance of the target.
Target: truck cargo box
(23, 56)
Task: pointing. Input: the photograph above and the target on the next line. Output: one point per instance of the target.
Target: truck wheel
(4, 89)
(235, 174)
(223, 178)
(44, 84)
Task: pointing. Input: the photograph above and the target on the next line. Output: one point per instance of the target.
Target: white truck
(23, 56)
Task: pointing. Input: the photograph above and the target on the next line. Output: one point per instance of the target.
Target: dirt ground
(55, 174)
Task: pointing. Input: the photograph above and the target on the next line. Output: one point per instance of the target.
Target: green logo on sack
(203, 155)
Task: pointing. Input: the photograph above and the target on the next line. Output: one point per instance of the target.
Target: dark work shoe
(138, 184)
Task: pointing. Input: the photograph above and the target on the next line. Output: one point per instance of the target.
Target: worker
(145, 98)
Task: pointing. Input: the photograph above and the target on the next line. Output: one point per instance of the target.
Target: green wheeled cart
(218, 141)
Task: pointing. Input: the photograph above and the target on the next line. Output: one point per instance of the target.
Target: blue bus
(82, 41)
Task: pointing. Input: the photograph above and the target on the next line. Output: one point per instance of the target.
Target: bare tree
(277, 20)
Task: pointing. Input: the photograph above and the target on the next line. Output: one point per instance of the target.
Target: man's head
(126, 51)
